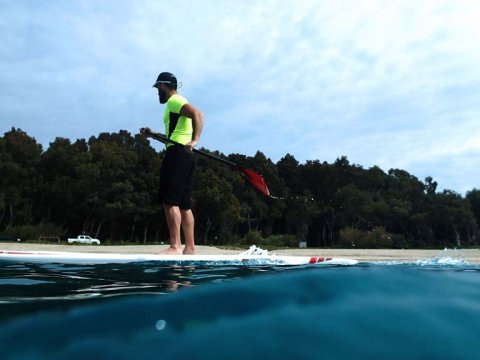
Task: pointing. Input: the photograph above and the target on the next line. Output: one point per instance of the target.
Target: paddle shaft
(164, 139)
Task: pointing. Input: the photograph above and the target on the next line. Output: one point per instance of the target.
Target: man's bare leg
(188, 226)
(174, 220)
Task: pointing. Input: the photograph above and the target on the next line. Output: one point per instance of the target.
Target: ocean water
(426, 309)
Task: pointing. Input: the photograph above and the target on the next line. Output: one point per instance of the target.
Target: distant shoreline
(470, 255)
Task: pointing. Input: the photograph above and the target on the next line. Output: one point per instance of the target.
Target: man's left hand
(190, 145)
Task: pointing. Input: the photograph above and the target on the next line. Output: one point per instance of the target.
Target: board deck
(58, 257)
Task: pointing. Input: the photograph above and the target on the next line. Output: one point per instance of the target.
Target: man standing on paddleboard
(183, 125)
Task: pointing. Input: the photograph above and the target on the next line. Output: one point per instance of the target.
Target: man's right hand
(145, 131)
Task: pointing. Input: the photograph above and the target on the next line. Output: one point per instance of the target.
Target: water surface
(425, 309)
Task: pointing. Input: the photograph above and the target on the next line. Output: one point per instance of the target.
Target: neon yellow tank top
(178, 127)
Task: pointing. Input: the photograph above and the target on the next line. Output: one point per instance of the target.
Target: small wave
(443, 261)
(439, 261)
(447, 258)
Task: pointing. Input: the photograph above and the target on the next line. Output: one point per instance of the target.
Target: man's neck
(171, 93)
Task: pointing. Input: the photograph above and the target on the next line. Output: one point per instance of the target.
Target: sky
(394, 84)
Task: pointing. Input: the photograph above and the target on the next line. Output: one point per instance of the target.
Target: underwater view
(421, 309)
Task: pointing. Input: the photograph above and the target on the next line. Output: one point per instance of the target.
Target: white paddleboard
(245, 258)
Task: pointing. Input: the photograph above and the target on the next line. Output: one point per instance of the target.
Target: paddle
(255, 179)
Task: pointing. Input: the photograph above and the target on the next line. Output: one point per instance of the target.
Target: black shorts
(176, 177)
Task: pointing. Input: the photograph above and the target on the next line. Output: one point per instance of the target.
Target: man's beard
(162, 97)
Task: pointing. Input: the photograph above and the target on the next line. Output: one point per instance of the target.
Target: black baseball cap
(166, 78)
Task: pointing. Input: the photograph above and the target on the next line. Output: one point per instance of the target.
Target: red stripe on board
(25, 253)
(17, 253)
(313, 260)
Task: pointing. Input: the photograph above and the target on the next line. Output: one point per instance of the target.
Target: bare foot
(171, 251)
(189, 250)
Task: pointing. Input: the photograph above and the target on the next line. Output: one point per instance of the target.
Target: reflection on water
(31, 287)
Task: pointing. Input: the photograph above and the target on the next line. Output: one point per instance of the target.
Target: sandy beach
(470, 255)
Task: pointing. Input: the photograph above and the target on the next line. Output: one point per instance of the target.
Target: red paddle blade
(255, 179)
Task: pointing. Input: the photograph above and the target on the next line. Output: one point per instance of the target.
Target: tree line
(107, 187)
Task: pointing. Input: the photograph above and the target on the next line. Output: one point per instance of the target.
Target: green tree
(217, 210)
(452, 220)
(64, 191)
(473, 198)
(19, 158)
(124, 191)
